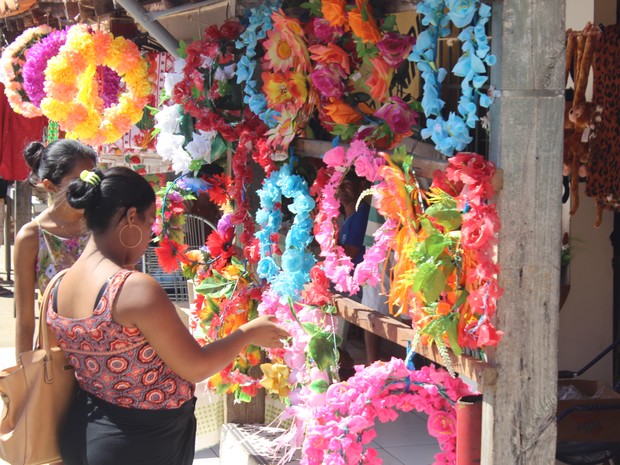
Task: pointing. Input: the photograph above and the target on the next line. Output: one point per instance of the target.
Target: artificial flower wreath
(74, 99)
(12, 63)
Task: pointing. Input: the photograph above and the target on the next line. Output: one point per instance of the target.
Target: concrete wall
(586, 318)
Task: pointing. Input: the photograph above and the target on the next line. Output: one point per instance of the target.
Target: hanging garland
(12, 62)
(341, 429)
(288, 279)
(259, 22)
(338, 266)
(453, 134)
(73, 96)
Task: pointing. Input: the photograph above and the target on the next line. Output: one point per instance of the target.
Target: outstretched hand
(264, 332)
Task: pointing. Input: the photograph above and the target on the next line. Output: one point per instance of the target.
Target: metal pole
(156, 30)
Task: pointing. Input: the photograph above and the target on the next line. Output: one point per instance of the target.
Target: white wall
(586, 320)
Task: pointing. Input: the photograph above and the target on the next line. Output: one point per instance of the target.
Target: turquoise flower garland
(288, 279)
(453, 134)
(259, 22)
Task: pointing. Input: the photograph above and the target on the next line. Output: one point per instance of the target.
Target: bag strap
(44, 339)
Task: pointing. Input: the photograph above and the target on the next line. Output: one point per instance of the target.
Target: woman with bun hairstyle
(56, 237)
(135, 362)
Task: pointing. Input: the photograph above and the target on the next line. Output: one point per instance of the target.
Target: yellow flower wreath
(73, 98)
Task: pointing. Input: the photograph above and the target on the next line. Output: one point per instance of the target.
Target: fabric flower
(395, 48)
(461, 12)
(329, 80)
(397, 115)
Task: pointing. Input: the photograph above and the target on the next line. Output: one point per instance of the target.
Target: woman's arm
(143, 303)
(25, 259)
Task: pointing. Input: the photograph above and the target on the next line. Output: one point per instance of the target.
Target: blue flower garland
(288, 279)
(453, 134)
(259, 22)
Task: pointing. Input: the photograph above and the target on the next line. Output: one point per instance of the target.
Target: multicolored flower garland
(12, 62)
(340, 431)
(73, 98)
(453, 134)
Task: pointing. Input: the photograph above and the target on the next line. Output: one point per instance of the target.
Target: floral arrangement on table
(12, 65)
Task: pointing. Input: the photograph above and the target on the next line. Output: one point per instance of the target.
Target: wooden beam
(426, 159)
(526, 121)
(399, 332)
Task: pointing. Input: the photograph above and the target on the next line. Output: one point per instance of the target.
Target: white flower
(167, 119)
(179, 64)
(171, 80)
(226, 73)
(170, 147)
(200, 146)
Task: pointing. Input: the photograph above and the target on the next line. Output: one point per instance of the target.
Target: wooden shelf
(426, 159)
(388, 327)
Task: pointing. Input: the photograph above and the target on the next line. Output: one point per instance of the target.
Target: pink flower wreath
(341, 430)
(337, 265)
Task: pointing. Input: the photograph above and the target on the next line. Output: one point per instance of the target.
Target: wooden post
(23, 204)
(519, 424)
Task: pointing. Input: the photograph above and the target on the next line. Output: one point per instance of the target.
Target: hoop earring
(120, 236)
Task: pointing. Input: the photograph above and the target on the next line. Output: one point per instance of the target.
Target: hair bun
(33, 154)
(84, 195)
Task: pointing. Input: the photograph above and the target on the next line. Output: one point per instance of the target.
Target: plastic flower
(276, 378)
(285, 89)
(379, 81)
(362, 22)
(342, 113)
(334, 12)
(397, 115)
(329, 80)
(461, 12)
(395, 48)
(330, 53)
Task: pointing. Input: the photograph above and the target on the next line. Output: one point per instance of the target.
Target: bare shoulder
(27, 241)
(140, 293)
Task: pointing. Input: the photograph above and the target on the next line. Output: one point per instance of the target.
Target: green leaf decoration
(215, 288)
(434, 245)
(195, 165)
(319, 386)
(311, 328)
(430, 280)
(322, 349)
(449, 218)
(389, 23)
(182, 50)
(218, 147)
(242, 396)
(454, 339)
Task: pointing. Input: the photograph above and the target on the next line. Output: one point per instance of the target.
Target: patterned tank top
(116, 363)
(55, 254)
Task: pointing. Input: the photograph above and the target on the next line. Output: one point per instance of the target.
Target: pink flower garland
(341, 430)
(337, 265)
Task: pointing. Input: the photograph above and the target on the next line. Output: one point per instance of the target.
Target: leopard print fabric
(603, 182)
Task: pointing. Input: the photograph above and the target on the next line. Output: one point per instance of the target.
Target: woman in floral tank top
(55, 238)
(135, 362)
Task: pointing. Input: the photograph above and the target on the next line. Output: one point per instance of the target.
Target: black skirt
(99, 433)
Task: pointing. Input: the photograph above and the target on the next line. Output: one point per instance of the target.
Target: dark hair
(56, 160)
(120, 188)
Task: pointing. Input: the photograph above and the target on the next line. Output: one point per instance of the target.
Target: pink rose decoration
(325, 32)
(397, 115)
(329, 80)
(334, 157)
(395, 48)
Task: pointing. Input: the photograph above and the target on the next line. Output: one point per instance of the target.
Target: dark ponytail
(57, 160)
(120, 189)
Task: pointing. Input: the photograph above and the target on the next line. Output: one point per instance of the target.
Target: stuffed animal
(576, 150)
